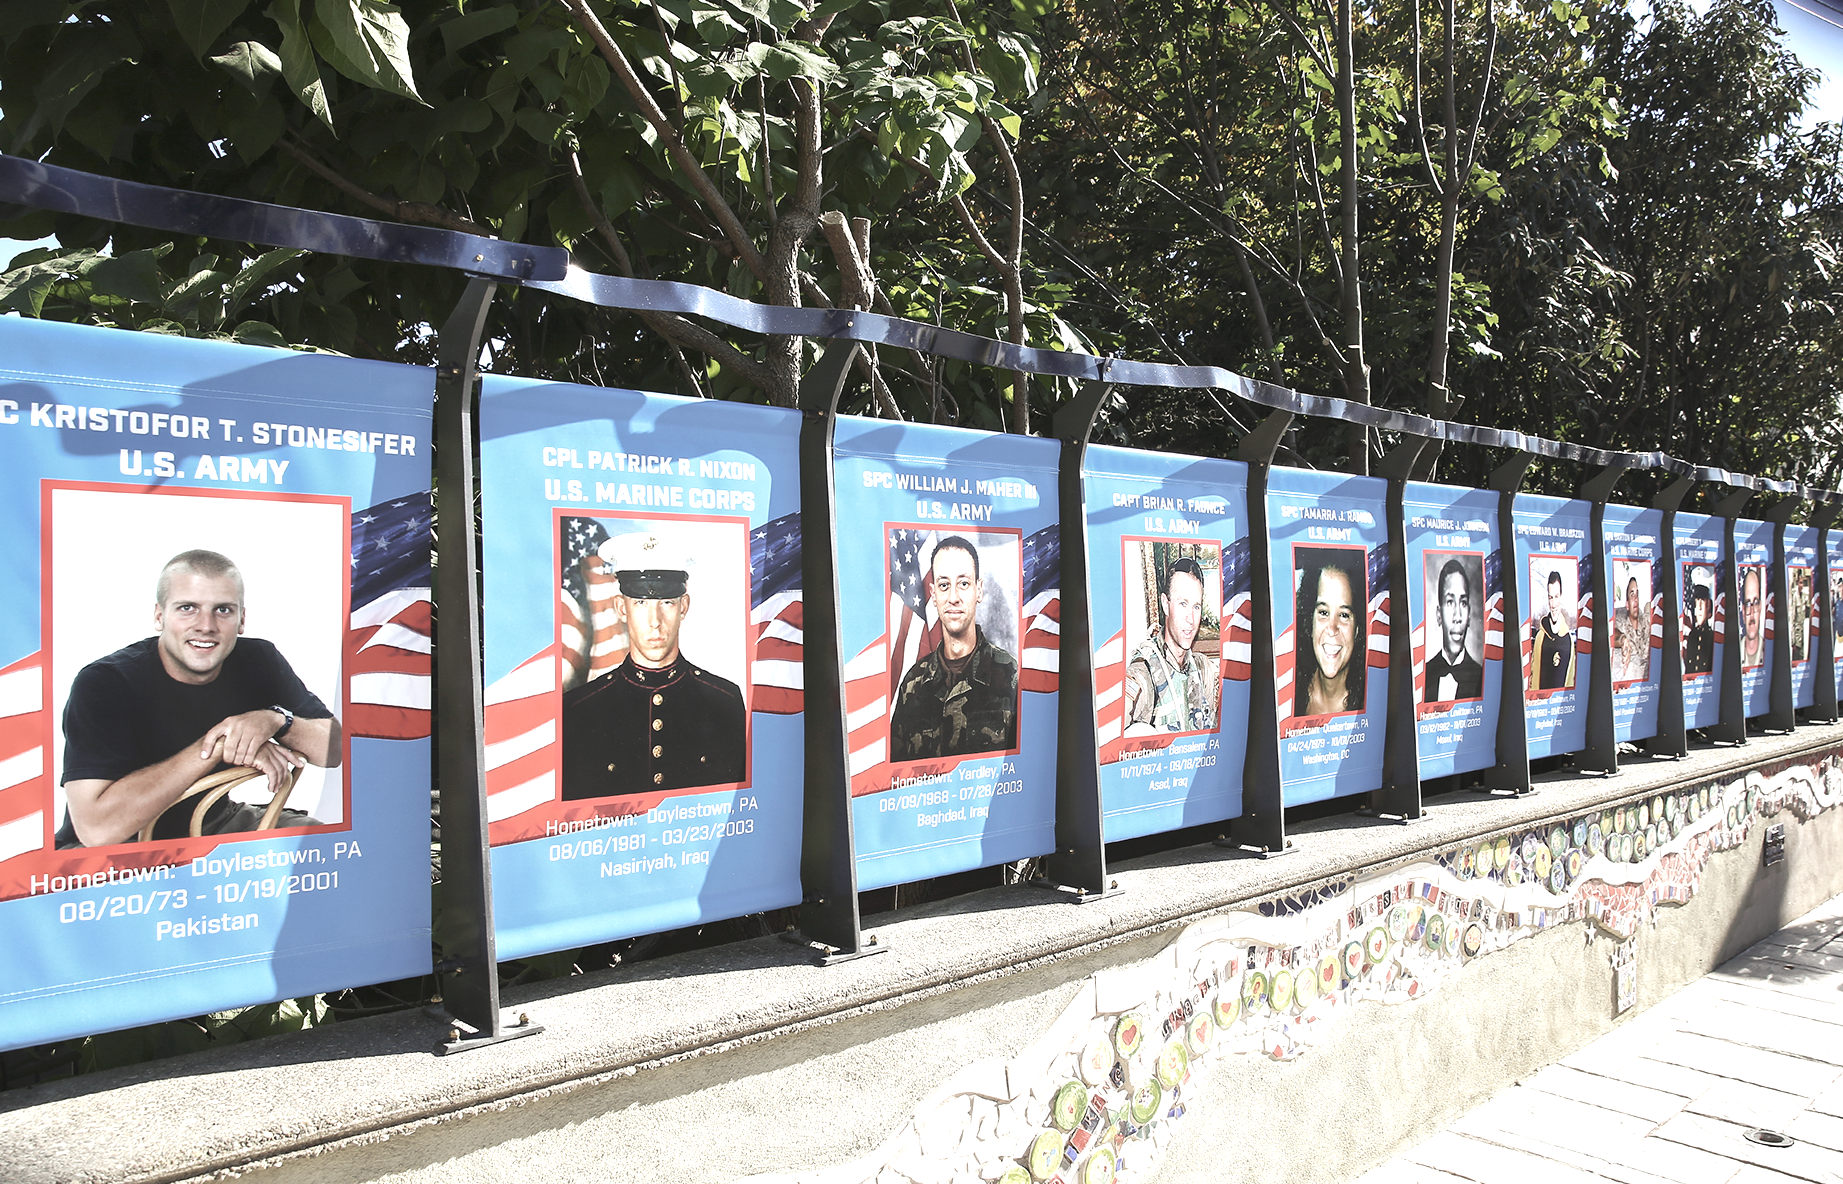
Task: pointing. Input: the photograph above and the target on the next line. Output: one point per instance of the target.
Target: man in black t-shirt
(148, 720)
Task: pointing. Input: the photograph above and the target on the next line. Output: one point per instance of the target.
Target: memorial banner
(1635, 559)
(1700, 555)
(1802, 571)
(220, 584)
(1329, 575)
(1554, 569)
(1833, 561)
(644, 698)
(1753, 562)
(950, 585)
(1170, 585)
(1456, 604)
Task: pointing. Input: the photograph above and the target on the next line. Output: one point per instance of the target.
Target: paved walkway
(1668, 1096)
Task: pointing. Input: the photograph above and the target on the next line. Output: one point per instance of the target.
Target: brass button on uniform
(658, 723)
(658, 699)
(658, 750)
(658, 777)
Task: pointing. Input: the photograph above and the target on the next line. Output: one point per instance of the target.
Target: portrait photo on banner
(1631, 648)
(955, 622)
(653, 629)
(1453, 625)
(1754, 590)
(1330, 640)
(1173, 636)
(1698, 620)
(1553, 582)
(1800, 610)
(215, 632)
(1836, 611)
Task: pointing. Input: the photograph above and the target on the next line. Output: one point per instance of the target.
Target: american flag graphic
(775, 617)
(387, 671)
(874, 674)
(1657, 604)
(590, 634)
(522, 740)
(388, 644)
(1376, 633)
(1584, 607)
(1494, 606)
(1237, 634)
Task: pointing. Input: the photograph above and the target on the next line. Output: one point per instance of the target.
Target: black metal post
(1079, 863)
(1672, 739)
(1781, 716)
(1262, 826)
(1511, 772)
(1400, 795)
(1824, 697)
(1731, 728)
(469, 971)
(1602, 752)
(829, 919)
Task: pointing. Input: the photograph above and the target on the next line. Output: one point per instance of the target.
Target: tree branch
(403, 211)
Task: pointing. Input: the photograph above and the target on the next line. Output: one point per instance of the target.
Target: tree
(698, 140)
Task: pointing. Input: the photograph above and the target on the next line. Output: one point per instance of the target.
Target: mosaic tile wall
(1100, 1094)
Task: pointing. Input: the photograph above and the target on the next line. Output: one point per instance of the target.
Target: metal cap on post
(1399, 798)
(1602, 752)
(1079, 862)
(469, 970)
(1511, 772)
(1672, 738)
(1781, 716)
(1732, 727)
(1261, 829)
(829, 920)
(1824, 698)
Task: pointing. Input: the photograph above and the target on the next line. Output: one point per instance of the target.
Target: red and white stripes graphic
(523, 747)
(387, 666)
(25, 781)
(778, 673)
(591, 636)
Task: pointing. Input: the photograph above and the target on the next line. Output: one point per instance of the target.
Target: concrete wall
(746, 1060)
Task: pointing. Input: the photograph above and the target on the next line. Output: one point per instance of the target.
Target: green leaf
(255, 276)
(72, 76)
(788, 60)
(200, 21)
(252, 63)
(369, 44)
(299, 66)
(259, 333)
(135, 276)
(24, 288)
(462, 31)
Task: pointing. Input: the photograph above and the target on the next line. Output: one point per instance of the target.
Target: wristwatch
(287, 721)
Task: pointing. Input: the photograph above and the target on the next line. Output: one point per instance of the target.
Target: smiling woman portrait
(1330, 641)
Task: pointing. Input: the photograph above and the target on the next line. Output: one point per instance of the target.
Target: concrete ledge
(747, 1058)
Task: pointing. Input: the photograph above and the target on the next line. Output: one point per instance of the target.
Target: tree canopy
(1550, 216)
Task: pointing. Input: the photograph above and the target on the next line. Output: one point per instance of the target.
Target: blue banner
(643, 643)
(1635, 579)
(1700, 555)
(1802, 572)
(1753, 562)
(220, 561)
(950, 582)
(1329, 576)
(1554, 570)
(1170, 585)
(1833, 563)
(1456, 604)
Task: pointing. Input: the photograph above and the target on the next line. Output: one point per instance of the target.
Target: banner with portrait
(1803, 599)
(1832, 544)
(950, 589)
(1753, 565)
(1456, 605)
(1329, 577)
(1701, 556)
(1635, 575)
(644, 692)
(1554, 569)
(214, 683)
(1170, 587)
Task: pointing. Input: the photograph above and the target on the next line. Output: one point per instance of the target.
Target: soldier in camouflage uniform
(961, 697)
(1169, 688)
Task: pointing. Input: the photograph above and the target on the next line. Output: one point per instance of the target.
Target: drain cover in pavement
(1766, 1138)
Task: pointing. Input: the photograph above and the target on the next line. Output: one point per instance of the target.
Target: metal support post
(1602, 752)
(829, 920)
(1824, 697)
(1261, 829)
(1672, 739)
(1511, 772)
(1732, 726)
(469, 971)
(1781, 716)
(1400, 795)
